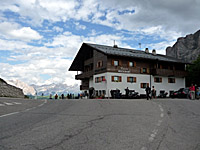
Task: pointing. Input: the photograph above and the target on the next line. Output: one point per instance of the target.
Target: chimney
(154, 52)
(115, 46)
(146, 50)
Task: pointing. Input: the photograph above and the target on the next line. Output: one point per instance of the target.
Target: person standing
(127, 92)
(148, 91)
(192, 92)
(56, 96)
(153, 92)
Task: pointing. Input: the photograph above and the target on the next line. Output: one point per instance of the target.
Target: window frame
(113, 78)
(142, 85)
(131, 79)
(157, 80)
(171, 80)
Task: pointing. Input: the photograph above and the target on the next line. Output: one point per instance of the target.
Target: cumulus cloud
(163, 21)
(57, 29)
(15, 31)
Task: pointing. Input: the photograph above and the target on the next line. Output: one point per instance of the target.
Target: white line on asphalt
(9, 114)
(161, 115)
(161, 109)
(22, 111)
(8, 103)
(143, 148)
(16, 103)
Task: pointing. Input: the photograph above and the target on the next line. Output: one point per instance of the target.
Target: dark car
(181, 93)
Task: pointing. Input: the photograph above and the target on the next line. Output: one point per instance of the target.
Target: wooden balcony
(84, 75)
(88, 61)
(168, 72)
(83, 87)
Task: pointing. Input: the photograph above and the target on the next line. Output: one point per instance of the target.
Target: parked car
(181, 93)
(162, 94)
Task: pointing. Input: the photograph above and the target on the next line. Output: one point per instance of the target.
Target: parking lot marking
(9, 114)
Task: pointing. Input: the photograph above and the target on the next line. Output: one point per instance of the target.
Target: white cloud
(79, 26)
(25, 33)
(15, 31)
(163, 20)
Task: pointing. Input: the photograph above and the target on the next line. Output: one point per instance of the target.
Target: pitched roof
(86, 48)
(133, 53)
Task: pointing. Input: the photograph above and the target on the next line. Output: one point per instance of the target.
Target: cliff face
(186, 48)
(7, 90)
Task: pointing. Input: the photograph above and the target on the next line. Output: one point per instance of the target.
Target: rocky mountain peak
(7, 90)
(186, 48)
(28, 90)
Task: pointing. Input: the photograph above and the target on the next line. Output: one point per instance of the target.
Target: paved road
(99, 124)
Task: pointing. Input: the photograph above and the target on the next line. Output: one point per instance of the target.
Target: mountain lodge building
(106, 68)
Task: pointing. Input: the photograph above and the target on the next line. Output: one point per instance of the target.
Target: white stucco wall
(108, 85)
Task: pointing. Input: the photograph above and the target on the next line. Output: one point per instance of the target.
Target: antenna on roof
(140, 45)
(115, 46)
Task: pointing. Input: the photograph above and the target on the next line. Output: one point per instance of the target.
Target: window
(116, 79)
(144, 70)
(144, 85)
(171, 80)
(99, 64)
(157, 80)
(100, 79)
(116, 62)
(131, 64)
(131, 79)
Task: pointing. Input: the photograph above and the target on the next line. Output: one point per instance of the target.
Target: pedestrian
(148, 91)
(127, 92)
(153, 92)
(192, 92)
(50, 96)
(56, 96)
(62, 96)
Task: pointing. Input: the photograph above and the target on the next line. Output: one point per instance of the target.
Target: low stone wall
(7, 90)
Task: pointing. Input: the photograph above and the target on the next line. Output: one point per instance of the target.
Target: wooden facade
(94, 62)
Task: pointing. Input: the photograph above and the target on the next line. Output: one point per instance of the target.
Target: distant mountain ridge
(186, 48)
(58, 88)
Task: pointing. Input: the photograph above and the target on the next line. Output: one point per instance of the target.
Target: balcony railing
(84, 75)
(83, 87)
(88, 61)
(167, 72)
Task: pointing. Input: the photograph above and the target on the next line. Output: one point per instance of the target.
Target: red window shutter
(134, 79)
(141, 70)
(160, 79)
(147, 70)
(141, 84)
(128, 63)
(120, 63)
(154, 79)
(134, 64)
(128, 79)
(168, 80)
(120, 79)
(112, 78)
(112, 62)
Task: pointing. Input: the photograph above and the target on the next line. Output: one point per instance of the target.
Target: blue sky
(40, 38)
